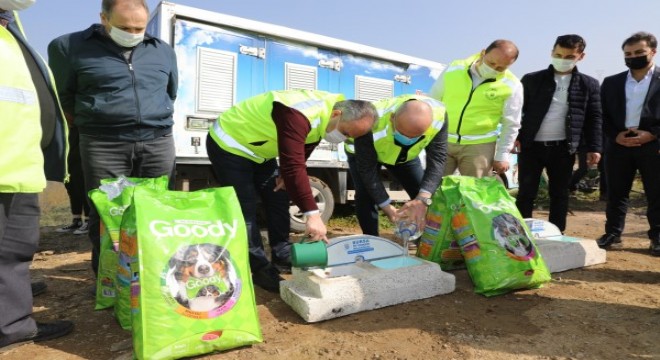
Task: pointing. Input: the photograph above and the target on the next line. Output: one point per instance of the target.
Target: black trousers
(622, 164)
(75, 188)
(582, 170)
(19, 239)
(253, 181)
(558, 162)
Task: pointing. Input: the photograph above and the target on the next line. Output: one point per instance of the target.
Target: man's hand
(415, 211)
(593, 158)
(500, 167)
(634, 137)
(315, 228)
(279, 184)
(516, 147)
(390, 212)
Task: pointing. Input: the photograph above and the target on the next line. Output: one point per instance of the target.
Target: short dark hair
(108, 5)
(500, 43)
(571, 41)
(641, 36)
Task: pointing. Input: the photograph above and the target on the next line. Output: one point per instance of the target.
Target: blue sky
(431, 29)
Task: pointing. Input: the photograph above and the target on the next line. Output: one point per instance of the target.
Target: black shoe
(75, 225)
(268, 279)
(44, 332)
(38, 288)
(655, 248)
(282, 265)
(609, 241)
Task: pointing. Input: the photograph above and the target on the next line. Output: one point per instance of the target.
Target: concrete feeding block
(563, 253)
(322, 294)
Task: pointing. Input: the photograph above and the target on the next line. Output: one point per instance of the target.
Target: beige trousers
(470, 160)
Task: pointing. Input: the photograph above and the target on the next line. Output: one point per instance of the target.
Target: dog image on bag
(201, 277)
(511, 235)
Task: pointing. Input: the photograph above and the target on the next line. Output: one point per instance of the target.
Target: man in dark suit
(631, 122)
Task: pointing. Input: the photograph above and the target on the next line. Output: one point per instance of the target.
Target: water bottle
(407, 230)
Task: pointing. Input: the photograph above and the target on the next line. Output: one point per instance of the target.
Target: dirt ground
(609, 311)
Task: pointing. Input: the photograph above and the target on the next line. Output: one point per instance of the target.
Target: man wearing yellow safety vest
(33, 148)
(243, 146)
(407, 125)
(484, 104)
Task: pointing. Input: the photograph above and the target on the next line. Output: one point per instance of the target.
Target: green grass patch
(344, 217)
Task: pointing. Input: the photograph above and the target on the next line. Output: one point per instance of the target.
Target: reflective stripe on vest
(232, 143)
(490, 137)
(21, 96)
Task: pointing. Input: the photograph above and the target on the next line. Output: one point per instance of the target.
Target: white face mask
(488, 72)
(123, 38)
(563, 65)
(334, 136)
(11, 5)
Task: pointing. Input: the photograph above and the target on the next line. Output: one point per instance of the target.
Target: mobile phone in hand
(630, 133)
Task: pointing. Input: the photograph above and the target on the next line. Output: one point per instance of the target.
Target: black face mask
(638, 62)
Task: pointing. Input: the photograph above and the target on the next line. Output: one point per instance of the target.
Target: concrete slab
(563, 253)
(322, 294)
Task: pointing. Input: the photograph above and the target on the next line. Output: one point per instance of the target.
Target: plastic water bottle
(407, 230)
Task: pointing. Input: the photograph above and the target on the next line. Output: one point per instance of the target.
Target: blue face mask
(404, 140)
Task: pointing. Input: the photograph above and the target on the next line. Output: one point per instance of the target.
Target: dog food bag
(111, 199)
(437, 243)
(192, 291)
(494, 240)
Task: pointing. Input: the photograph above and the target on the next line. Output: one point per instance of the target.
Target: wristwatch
(425, 200)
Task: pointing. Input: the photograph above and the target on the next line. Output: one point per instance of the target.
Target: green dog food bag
(494, 240)
(437, 243)
(192, 292)
(111, 199)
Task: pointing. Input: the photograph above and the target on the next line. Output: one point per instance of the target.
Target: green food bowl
(309, 254)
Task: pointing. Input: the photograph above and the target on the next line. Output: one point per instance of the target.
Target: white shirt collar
(648, 75)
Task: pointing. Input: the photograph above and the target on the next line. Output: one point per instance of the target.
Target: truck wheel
(324, 200)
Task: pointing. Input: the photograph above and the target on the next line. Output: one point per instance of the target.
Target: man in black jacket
(561, 106)
(117, 85)
(631, 122)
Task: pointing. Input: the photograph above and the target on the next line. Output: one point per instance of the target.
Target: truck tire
(324, 200)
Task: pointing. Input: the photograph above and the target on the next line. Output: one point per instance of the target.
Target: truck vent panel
(372, 89)
(216, 80)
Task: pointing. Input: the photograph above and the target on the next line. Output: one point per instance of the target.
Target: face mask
(404, 140)
(125, 39)
(334, 136)
(488, 72)
(563, 65)
(11, 5)
(638, 62)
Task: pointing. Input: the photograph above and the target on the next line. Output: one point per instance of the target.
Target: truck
(225, 59)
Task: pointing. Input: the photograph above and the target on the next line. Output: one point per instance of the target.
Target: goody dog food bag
(191, 292)
(437, 243)
(494, 240)
(111, 199)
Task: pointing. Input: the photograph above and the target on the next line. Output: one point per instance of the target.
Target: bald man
(407, 125)
(484, 104)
